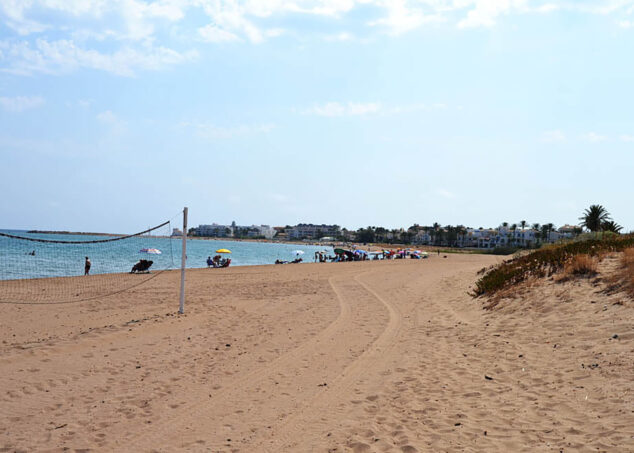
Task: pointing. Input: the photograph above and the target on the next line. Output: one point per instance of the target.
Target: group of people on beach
(361, 255)
(295, 261)
(142, 266)
(218, 261)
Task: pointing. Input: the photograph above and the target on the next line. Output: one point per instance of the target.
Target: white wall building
(214, 230)
(310, 231)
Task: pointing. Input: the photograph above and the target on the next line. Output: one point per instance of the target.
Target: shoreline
(77, 233)
(334, 244)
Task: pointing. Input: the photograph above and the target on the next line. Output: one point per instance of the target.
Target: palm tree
(504, 225)
(549, 228)
(594, 217)
(612, 226)
(461, 231)
(435, 233)
(544, 232)
(452, 235)
(536, 226)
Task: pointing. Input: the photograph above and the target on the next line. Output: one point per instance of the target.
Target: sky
(115, 114)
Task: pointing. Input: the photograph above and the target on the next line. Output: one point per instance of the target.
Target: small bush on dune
(628, 270)
(581, 265)
(628, 257)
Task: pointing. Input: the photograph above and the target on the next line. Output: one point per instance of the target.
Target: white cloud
(62, 56)
(333, 8)
(21, 103)
(137, 16)
(112, 121)
(84, 103)
(627, 138)
(338, 109)
(356, 108)
(133, 30)
(278, 198)
(593, 137)
(445, 193)
(107, 117)
(211, 33)
(547, 8)
(401, 17)
(14, 13)
(555, 136)
(210, 131)
(335, 109)
(341, 37)
(485, 12)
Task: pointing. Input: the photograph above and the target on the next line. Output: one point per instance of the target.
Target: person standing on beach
(87, 266)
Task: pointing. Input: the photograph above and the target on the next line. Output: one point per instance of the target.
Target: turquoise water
(63, 260)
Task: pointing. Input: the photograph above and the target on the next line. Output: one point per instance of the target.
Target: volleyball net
(39, 267)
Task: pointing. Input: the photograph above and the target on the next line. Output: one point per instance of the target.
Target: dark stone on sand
(615, 336)
(488, 378)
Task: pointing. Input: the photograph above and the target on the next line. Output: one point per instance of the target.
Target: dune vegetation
(576, 257)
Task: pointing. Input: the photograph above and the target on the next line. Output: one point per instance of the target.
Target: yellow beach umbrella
(223, 251)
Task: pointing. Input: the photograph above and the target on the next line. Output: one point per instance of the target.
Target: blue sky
(114, 114)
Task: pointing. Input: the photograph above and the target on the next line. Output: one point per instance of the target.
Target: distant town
(520, 235)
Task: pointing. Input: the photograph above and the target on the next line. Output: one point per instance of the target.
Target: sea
(23, 259)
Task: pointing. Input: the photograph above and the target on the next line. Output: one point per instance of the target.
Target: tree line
(594, 219)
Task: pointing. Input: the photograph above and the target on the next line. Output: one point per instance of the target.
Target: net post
(181, 308)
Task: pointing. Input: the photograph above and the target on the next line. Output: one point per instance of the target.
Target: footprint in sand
(359, 447)
(409, 449)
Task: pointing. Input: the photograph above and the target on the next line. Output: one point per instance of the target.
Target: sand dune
(368, 356)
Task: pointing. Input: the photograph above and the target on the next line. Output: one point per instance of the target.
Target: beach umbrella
(151, 251)
(361, 252)
(337, 251)
(223, 251)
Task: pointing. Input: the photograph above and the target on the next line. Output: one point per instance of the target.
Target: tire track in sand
(168, 427)
(288, 431)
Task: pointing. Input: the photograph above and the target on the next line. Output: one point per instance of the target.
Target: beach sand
(366, 356)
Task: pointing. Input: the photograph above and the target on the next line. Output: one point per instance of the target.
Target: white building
(233, 230)
(310, 231)
(214, 230)
(254, 231)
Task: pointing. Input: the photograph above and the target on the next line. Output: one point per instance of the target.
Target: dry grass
(627, 271)
(581, 265)
(578, 266)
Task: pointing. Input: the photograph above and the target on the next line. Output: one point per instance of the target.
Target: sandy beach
(389, 356)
